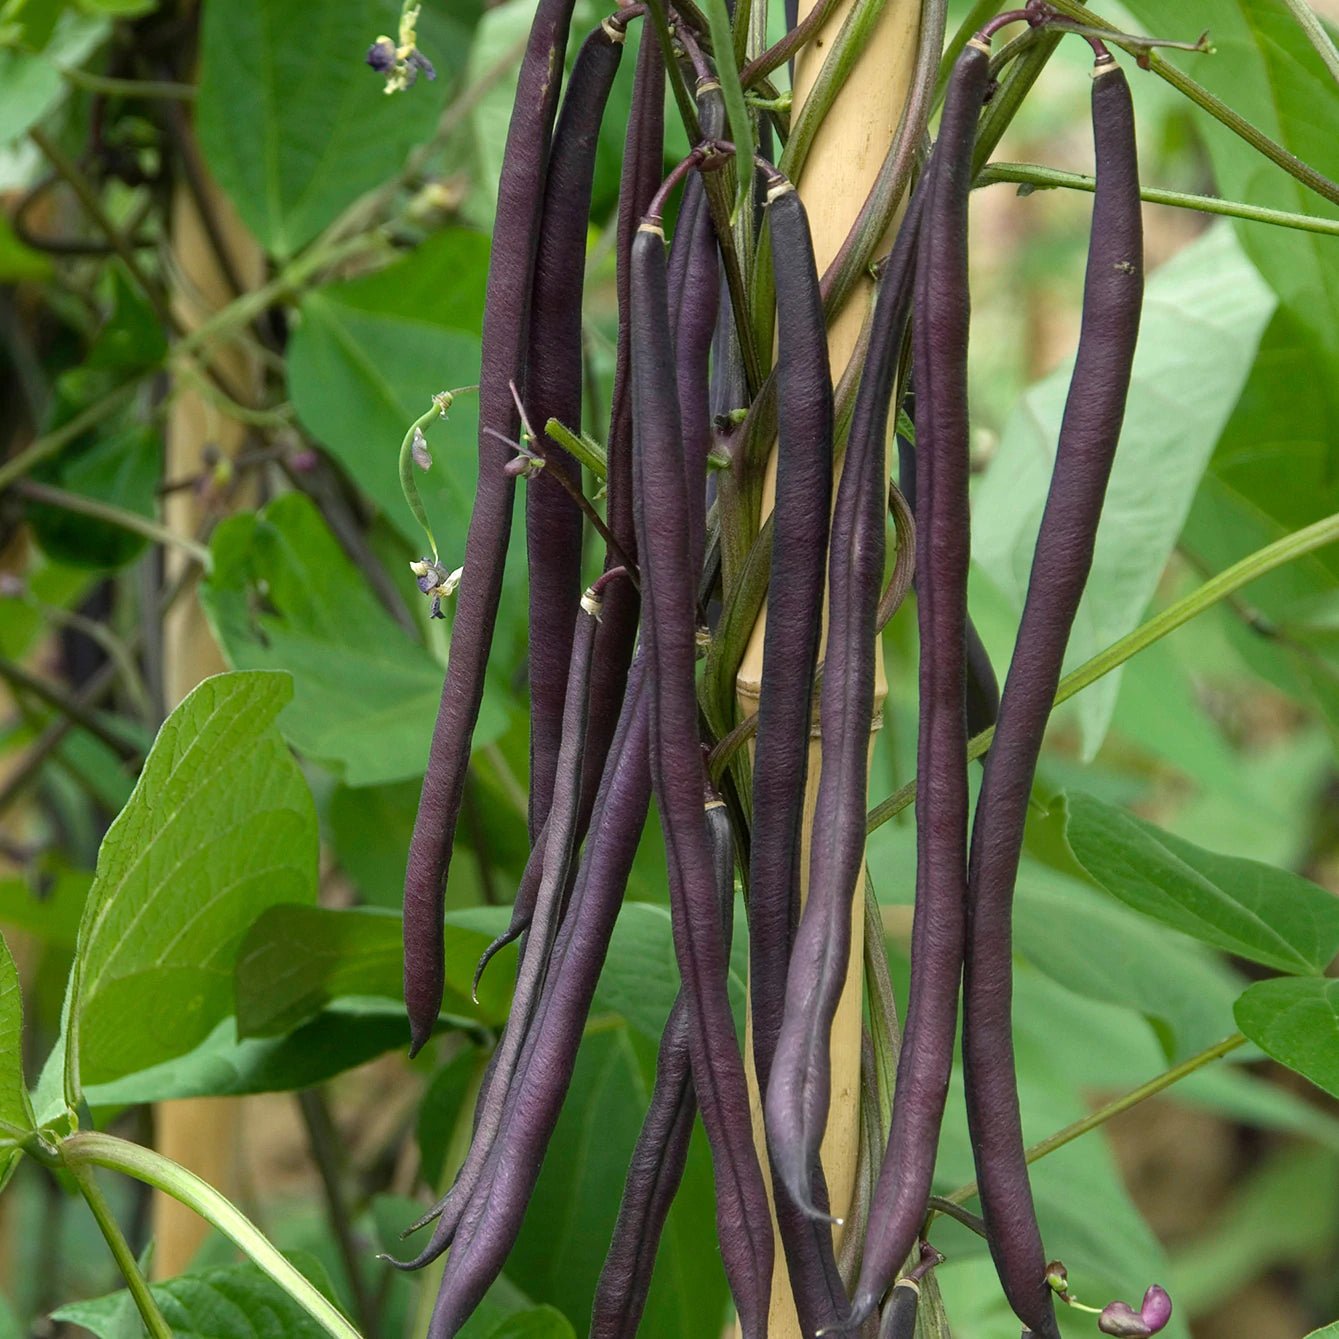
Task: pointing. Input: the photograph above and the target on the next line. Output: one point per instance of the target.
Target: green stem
(1219, 110)
(130, 88)
(728, 59)
(122, 1254)
(1231, 579)
(846, 50)
(54, 442)
(1049, 178)
(1309, 22)
(1014, 87)
(584, 450)
(776, 56)
(118, 516)
(92, 1149)
(1114, 1108)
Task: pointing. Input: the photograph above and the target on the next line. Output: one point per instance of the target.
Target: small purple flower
(381, 55)
(420, 62)
(1119, 1318)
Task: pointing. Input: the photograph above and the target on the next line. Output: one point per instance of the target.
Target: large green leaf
(236, 1301)
(295, 960)
(1098, 948)
(342, 1038)
(294, 125)
(366, 360)
(284, 596)
(1257, 911)
(15, 1110)
(1329, 1332)
(220, 826)
(1203, 317)
(562, 1245)
(1297, 1022)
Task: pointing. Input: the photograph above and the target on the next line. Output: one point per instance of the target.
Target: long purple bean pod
(940, 328)
(556, 862)
(798, 1095)
(492, 1219)
(1089, 429)
(790, 654)
(983, 688)
(503, 352)
(661, 1151)
(693, 310)
(669, 594)
(553, 522)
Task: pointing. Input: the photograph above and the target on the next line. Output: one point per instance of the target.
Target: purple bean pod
(1089, 429)
(490, 1222)
(983, 688)
(940, 329)
(553, 522)
(661, 1151)
(798, 1094)
(669, 594)
(790, 655)
(503, 351)
(555, 865)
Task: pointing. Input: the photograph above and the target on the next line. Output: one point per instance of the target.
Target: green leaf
(294, 125)
(563, 1242)
(297, 959)
(1297, 1022)
(220, 826)
(15, 1110)
(1098, 948)
(367, 358)
(442, 1107)
(284, 596)
(237, 1301)
(53, 917)
(1265, 914)
(17, 260)
(1204, 313)
(342, 1038)
(1331, 1331)
(123, 468)
(1264, 67)
(540, 1322)
(30, 86)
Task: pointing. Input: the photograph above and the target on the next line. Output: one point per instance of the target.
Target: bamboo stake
(200, 1133)
(841, 168)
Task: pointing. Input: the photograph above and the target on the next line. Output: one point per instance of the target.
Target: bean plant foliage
(697, 835)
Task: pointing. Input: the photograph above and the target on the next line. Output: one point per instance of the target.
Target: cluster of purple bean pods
(614, 688)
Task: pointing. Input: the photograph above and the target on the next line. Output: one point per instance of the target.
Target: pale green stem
(583, 449)
(1216, 107)
(130, 88)
(1049, 178)
(1114, 1108)
(92, 1149)
(122, 1254)
(1254, 565)
(1310, 23)
(120, 517)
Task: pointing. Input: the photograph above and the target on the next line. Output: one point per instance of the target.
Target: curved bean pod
(503, 351)
(490, 1222)
(939, 335)
(662, 1146)
(553, 522)
(790, 654)
(555, 865)
(799, 1092)
(669, 592)
(1089, 429)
